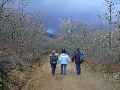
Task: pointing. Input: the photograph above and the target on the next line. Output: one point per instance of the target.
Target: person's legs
(65, 69)
(78, 68)
(62, 68)
(53, 67)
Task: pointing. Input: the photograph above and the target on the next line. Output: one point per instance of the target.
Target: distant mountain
(53, 20)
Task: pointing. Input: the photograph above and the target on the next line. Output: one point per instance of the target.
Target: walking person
(78, 57)
(53, 61)
(64, 59)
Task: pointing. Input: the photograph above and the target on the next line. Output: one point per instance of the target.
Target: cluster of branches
(24, 34)
(20, 31)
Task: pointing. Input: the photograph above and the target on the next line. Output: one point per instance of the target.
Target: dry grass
(88, 80)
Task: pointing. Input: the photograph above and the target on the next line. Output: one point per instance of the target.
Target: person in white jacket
(64, 60)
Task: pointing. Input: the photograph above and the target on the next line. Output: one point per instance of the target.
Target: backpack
(53, 59)
(79, 57)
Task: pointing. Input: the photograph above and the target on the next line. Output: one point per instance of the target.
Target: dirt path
(42, 80)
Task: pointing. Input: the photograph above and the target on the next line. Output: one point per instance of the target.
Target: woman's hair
(63, 50)
(78, 49)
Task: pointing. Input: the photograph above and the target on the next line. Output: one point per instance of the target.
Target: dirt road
(88, 80)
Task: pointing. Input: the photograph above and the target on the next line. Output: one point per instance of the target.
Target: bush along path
(41, 79)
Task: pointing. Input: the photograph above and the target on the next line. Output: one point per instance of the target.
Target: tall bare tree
(112, 9)
(109, 13)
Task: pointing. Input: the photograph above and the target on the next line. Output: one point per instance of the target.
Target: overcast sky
(67, 5)
(83, 9)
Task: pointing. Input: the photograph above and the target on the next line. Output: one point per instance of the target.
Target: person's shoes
(78, 73)
(61, 73)
(65, 73)
(53, 74)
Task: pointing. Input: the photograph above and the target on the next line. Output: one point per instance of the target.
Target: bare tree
(3, 3)
(112, 8)
(109, 16)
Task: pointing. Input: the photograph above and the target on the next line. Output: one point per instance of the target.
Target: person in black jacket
(78, 59)
(53, 61)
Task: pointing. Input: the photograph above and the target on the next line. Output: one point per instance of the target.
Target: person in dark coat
(78, 58)
(53, 61)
